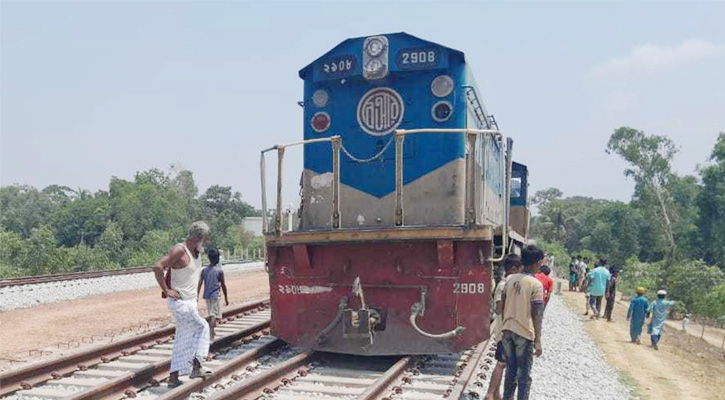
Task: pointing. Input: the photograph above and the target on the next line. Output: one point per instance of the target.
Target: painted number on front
(418, 57)
(468, 288)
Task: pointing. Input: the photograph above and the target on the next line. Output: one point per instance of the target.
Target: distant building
(253, 224)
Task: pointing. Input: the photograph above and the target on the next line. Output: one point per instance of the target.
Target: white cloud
(650, 57)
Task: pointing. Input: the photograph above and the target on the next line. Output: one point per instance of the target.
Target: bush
(690, 280)
(636, 273)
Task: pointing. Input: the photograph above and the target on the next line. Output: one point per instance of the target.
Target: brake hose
(417, 309)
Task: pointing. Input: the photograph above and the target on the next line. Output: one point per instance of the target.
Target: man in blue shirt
(660, 310)
(598, 281)
(213, 279)
(637, 314)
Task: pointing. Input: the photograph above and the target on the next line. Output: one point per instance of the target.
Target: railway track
(248, 363)
(30, 280)
(118, 369)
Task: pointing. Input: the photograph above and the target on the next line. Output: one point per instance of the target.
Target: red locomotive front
(397, 291)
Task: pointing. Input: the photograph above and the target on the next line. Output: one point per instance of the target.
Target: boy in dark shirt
(213, 279)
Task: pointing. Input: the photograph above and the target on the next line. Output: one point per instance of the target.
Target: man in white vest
(191, 339)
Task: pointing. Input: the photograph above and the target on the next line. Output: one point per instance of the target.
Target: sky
(94, 89)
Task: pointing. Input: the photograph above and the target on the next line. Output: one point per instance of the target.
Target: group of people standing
(601, 282)
(597, 284)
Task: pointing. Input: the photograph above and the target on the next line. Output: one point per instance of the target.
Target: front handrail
(470, 207)
(335, 141)
(399, 135)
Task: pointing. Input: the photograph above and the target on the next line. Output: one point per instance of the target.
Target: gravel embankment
(13, 297)
(572, 367)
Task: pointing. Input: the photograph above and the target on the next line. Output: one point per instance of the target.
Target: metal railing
(471, 216)
(470, 185)
(335, 141)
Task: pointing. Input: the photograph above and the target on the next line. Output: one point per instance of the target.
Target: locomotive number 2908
(416, 57)
(468, 288)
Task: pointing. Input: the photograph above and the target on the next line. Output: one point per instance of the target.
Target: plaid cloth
(191, 338)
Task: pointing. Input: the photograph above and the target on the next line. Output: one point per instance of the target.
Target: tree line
(60, 229)
(671, 234)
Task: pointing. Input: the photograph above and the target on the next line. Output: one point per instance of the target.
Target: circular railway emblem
(380, 111)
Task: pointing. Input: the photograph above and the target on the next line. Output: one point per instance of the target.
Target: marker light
(441, 111)
(442, 86)
(320, 97)
(320, 122)
(374, 47)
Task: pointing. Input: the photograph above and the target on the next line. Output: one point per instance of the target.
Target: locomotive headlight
(374, 66)
(320, 97)
(375, 57)
(374, 47)
(442, 86)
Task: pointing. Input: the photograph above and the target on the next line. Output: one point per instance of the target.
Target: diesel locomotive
(409, 197)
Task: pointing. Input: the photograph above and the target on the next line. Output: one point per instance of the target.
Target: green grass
(630, 383)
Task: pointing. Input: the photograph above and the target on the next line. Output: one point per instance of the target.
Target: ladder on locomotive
(483, 120)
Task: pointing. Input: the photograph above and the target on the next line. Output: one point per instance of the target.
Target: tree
(142, 207)
(23, 208)
(650, 159)
(711, 204)
(40, 253)
(82, 220)
(543, 197)
(712, 306)
(59, 195)
(11, 252)
(691, 279)
(111, 242)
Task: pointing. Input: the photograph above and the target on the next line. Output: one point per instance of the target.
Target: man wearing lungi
(191, 339)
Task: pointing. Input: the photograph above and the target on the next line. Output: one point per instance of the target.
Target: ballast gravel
(12, 297)
(571, 367)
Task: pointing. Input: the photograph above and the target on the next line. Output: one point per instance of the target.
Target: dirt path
(51, 330)
(684, 367)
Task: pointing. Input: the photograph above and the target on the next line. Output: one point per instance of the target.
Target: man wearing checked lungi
(191, 339)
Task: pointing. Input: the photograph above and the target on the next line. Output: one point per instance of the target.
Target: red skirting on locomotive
(382, 292)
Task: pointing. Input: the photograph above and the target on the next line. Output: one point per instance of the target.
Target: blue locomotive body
(418, 84)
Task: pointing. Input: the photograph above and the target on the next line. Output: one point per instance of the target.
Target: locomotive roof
(346, 42)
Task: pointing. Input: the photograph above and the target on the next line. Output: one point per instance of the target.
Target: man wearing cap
(637, 314)
(660, 309)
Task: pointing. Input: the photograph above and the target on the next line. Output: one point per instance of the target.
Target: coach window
(515, 184)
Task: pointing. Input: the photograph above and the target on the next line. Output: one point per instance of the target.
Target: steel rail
(469, 371)
(380, 385)
(197, 385)
(120, 384)
(31, 375)
(255, 386)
